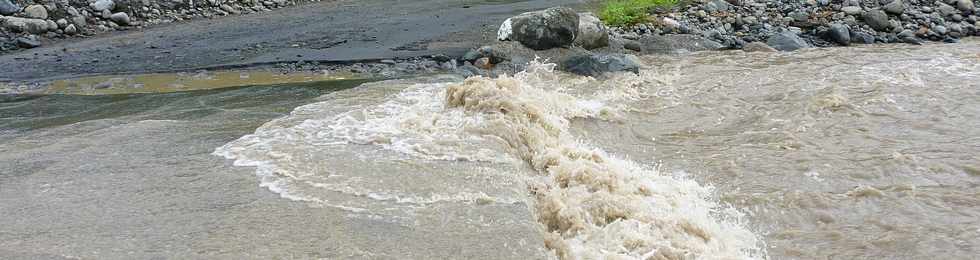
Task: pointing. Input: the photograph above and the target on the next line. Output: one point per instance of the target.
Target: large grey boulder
(787, 41)
(586, 64)
(541, 30)
(28, 25)
(878, 20)
(592, 33)
(8, 8)
(677, 43)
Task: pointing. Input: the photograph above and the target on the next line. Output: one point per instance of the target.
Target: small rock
(896, 7)
(36, 12)
(677, 43)
(71, 30)
(757, 47)
(28, 42)
(911, 40)
(8, 8)
(939, 29)
(495, 56)
(965, 6)
(852, 10)
(229, 9)
(78, 20)
(471, 55)
(541, 30)
(52, 25)
(716, 6)
(632, 45)
(787, 41)
(71, 11)
(591, 32)
(483, 63)
(62, 23)
(120, 18)
(101, 5)
(878, 20)
(946, 10)
(906, 34)
(106, 14)
(839, 33)
(586, 64)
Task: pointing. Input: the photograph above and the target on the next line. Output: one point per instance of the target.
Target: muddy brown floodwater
(839, 153)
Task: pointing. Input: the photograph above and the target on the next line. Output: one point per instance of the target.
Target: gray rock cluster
(45, 20)
(794, 24)
(560, 35)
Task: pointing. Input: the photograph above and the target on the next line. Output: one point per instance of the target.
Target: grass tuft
(629, 12)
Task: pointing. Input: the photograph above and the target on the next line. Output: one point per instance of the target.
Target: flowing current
(849, 154)
(840, 153)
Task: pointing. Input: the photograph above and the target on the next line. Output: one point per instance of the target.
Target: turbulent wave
(594, 205)
(591, 204)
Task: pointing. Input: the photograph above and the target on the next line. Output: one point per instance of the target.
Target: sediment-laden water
(839, 153)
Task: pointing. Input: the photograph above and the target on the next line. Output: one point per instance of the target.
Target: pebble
(28, 42)
(36, 12)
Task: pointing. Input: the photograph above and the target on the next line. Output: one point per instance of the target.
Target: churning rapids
(837, 153)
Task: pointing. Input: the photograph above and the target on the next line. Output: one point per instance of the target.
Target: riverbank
(33, 23)
(386, 40)
(344, 32)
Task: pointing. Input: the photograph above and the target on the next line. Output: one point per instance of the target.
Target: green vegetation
(628, 12)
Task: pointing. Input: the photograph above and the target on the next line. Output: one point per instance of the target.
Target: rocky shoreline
(26, 24)
(581, 43)
(818, 23)
(557, 34)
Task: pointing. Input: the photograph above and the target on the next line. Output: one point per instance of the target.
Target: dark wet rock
(677, 43)
(592, 33)
(597, 64)
(912, 40)
(757, 47)
(36, 12)
(540, 30)
(838, 33)
(101, 5)
(939, 29)
(787, 41)
(493, 54)
(28, 42)
(907, 36)
(878, 20)
(895, 7)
